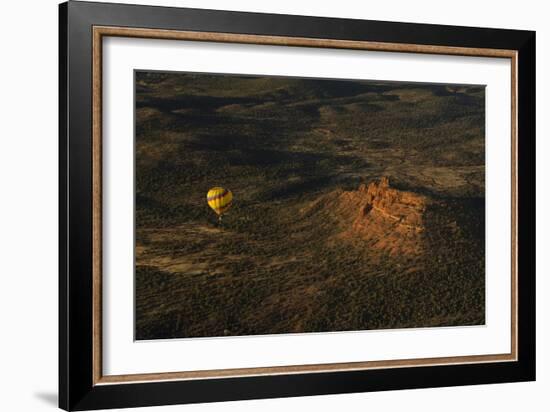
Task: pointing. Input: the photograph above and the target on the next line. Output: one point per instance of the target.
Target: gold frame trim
(102, 31)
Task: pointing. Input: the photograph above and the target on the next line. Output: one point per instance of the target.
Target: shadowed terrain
(357, 205)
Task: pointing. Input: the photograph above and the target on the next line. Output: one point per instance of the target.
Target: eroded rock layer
(379, 217)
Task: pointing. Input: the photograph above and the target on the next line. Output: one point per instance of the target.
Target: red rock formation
(389, 219)
(377, 216)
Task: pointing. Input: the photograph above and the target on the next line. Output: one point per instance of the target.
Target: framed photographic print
(257, 205)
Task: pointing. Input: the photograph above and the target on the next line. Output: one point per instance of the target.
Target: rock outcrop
(379, 217)
(390, 219)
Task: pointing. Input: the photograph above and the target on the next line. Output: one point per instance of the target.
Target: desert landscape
(357, 205)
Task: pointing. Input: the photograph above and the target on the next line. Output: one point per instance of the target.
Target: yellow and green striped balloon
(219, 199)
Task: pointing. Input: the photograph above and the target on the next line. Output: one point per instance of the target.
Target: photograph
(286, 205)
(281, 203)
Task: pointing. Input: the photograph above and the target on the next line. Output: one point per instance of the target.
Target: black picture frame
(77, 390)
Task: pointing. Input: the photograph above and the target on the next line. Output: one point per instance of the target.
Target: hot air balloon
(219, 199)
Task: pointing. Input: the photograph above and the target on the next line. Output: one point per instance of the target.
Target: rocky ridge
(378, 216)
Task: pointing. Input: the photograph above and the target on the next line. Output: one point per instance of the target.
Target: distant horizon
(288, 76)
